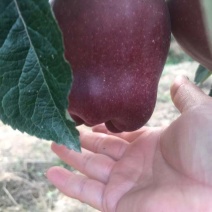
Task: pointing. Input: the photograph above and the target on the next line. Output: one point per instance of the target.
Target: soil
(24, 159)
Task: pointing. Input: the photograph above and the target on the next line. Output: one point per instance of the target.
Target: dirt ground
(24, 159)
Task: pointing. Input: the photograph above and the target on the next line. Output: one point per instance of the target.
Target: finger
(77, 186)
(102, 128)
(127, 136)
(185, 94)
(94, 166)
(101, 143)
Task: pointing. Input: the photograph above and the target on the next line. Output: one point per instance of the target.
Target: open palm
(151, 169)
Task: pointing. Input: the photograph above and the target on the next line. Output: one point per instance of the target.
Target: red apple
(117, 49)
(188, 27)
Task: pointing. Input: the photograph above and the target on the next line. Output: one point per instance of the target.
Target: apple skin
(188, 28)
(117, 50)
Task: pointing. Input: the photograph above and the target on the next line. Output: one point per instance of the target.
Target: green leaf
(210, 93)
(207, 15)
(201, 74)
(35, 79)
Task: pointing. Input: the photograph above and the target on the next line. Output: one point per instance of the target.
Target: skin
(117, 50)
(148, 170)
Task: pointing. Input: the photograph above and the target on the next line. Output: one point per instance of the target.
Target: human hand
(151, 169)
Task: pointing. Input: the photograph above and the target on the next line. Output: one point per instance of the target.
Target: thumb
(186, 95)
